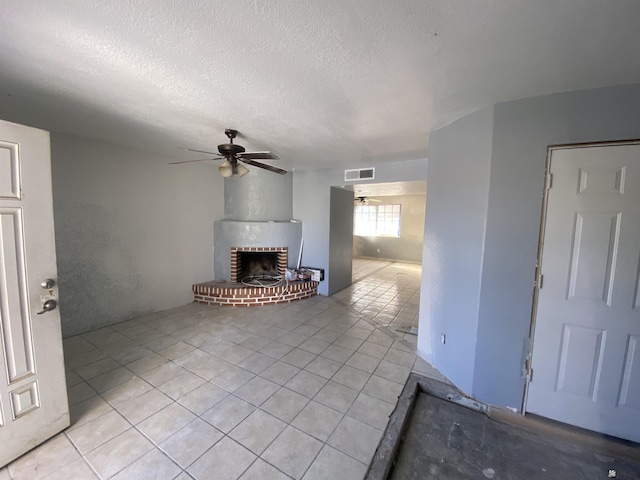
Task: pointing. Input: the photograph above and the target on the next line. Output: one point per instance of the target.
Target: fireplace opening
(261, 265)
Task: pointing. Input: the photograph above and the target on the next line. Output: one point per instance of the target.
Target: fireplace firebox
(258, 262)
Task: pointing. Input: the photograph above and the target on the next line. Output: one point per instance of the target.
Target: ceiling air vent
(359, 174)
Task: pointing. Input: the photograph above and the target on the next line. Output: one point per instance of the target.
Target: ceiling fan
(232, 152)
(365, 200)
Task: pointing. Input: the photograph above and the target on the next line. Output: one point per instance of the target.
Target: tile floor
(387, 293)
(301, 390)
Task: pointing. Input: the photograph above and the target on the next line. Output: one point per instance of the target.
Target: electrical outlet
(443, 338)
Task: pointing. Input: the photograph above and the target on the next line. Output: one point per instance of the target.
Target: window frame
(382, 219)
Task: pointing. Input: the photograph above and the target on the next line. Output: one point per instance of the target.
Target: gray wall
(258, 211)
(457, 195)
(229, 233)
(311, 198)
(406, 248)
(258, 196)
(486, 294)
(340, 239)
(522, 132)
(132, 232)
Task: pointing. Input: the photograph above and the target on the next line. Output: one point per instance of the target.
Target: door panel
(33, 399)
(18, 345)
(636, 301)
(585, 357)
(580, 360)
(630, 388)
(9, 171)
(595, 244)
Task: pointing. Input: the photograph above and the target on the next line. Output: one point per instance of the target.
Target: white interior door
(33, 398)
(586, 354)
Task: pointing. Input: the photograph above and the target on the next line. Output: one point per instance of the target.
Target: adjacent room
(232, 232)
(387, 254)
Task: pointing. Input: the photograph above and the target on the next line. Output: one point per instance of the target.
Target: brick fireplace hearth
(238, 294)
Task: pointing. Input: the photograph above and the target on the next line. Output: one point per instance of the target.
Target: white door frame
(538, 279)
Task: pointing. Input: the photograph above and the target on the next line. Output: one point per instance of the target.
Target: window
(376, 220)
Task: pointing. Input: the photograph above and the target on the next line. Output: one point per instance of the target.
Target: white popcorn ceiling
(322, 83)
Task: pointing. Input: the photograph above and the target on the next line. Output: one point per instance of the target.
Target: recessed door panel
(580, 361)
(630, 387)
(9, 170)
(602, 180)
(595, 247)
(24, 400)
(636, 295)
(14, 302)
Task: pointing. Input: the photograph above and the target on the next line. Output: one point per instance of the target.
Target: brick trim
(210, 293)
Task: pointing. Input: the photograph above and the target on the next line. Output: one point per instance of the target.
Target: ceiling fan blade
(258, 156)
(200, 151)
(192, 161)
(271, 168)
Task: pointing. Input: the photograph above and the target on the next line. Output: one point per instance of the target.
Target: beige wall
(406, 248)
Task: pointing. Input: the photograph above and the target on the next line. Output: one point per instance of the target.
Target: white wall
(132, 232)
(406, 248)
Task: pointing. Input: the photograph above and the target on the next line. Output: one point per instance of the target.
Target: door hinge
(530, 375)
(548, 181)
(539, 280)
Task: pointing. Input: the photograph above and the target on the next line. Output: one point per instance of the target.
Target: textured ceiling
(322, 83)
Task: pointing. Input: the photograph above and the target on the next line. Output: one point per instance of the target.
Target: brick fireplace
(257, 237)
(239, 294)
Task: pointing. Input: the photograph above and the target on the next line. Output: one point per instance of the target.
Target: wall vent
(359, 174)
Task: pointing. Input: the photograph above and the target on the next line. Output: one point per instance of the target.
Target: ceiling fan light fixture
(234, 153)
(225, 169)
(242, 170)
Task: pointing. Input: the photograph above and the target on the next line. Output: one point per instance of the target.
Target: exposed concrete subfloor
(443, 439)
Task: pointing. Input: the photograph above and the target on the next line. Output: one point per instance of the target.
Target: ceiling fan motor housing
(230, 149)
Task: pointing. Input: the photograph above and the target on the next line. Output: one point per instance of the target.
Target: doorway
(586, 354)
(387, 270)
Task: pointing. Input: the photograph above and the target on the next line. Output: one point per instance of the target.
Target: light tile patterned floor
(386, 292)
(302, 390)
